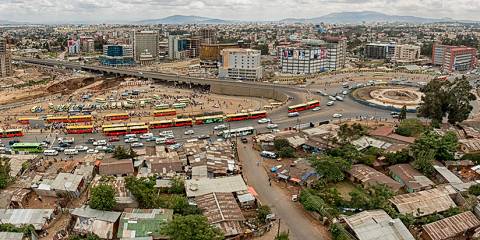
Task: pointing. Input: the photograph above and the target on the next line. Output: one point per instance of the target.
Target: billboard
(302, 54)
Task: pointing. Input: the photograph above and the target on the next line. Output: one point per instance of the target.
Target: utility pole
(278, 229)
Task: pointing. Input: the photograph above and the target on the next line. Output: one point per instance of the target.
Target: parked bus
(57, 119)
(237, 117)
(138, 129)
(27, 147)
(162, 106)
(26, 120)
(80, 129)
(135, 124)
(239, 132)
(100, 100)
(118, 125)
(161, 124)
(179, 105)
(183, 100)
(10, 133)
(165, 112)
(209, 119)
(182, 122)
(115, 131)
(258, 114)
(304, 106)
(80, 118)
(117, 116)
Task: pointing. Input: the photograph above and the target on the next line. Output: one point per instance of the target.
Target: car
(11, 142)
(100, 143)
(63, 144)
(345, 85)
(131, 140)
(91, 140)
(50, 152)
(204, 136)
(58, 149)
(92, 151)
(337, 115)
(189, 132)
(316, 109)
(146, 136)
(170, 141)
(293, 114)
(244, 140)
(264, 120)
(81, 148)
(332, 98)
(339, 98)
(160, 140)
(345, 92)
(130, 136)
(114, 139)
(70, 151)
(136, 145)
(394, 113)
(152, 139)
(220, 127)
(268, 154)
(175, 146)
(272, 126)
(330, 103)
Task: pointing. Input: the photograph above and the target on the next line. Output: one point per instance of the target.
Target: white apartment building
(242, 64)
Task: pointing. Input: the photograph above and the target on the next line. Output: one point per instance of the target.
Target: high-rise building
(406, 53)
(454, 58)
(208, 36)
(242, 64)
(183, 46)
(5, 59)
(145, 41)
(314, 56)
(117, 55)
(380, 50)
(87, 44)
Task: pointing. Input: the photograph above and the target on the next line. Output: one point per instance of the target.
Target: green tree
(403, 113)
(314, 203)
(191, 227)
(347, 132)
(424, 162)
(339, 232)
(410, 127)
(443, 147)
(262, 213)
(331, 169)
(282, 236)
(444, 97)
(88, 237)
(474, 189)
(286, 152)
(402, 156)
(407, 219)
(178, 186)
(280, 143)
(5, 178)
(121, 153)
(103, 197)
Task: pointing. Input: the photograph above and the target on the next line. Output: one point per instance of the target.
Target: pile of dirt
(70, 85)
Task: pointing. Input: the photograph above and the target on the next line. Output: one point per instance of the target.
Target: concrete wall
(248, 91)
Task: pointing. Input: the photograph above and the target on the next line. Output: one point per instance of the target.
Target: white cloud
(127, 10)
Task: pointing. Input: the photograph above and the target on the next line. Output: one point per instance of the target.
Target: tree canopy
(5, 178)
(443, 98)
(331, 169)
(103, 197)
(191, 227)
(443, 147)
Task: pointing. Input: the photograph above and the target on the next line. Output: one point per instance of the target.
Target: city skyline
(123, 11)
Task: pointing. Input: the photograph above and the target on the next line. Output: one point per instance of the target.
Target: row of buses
(304, 106)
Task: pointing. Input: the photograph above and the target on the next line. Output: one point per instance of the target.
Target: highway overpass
(226, 87)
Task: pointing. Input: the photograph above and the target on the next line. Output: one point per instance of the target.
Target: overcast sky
(43, 11)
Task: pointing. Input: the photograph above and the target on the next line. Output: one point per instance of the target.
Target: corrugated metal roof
(369, 176)
(423, 203)
(202, 186)
(377, 225)
(87, 212)
(451, 226)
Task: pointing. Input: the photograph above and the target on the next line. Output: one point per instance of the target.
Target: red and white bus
(9, 133)
(237, 117)
(115, 131)
(161, 124)
(117, 116)
(304, 106)
(80, 129)
(138, 129)
(165, 112)
(26, 120)
(80, 118)
(258, 114)
(181, 122)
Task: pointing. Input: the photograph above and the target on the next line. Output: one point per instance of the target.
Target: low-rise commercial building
(117, 55)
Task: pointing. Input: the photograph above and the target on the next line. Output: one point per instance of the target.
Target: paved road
(301, 226)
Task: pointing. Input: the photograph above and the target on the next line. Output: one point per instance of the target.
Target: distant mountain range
(336, 18)
(181, 19)
(7, 22)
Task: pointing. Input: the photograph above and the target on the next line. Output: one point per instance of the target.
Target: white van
(50, 152)
(70, 151)
(268, 154)
(293, 114)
